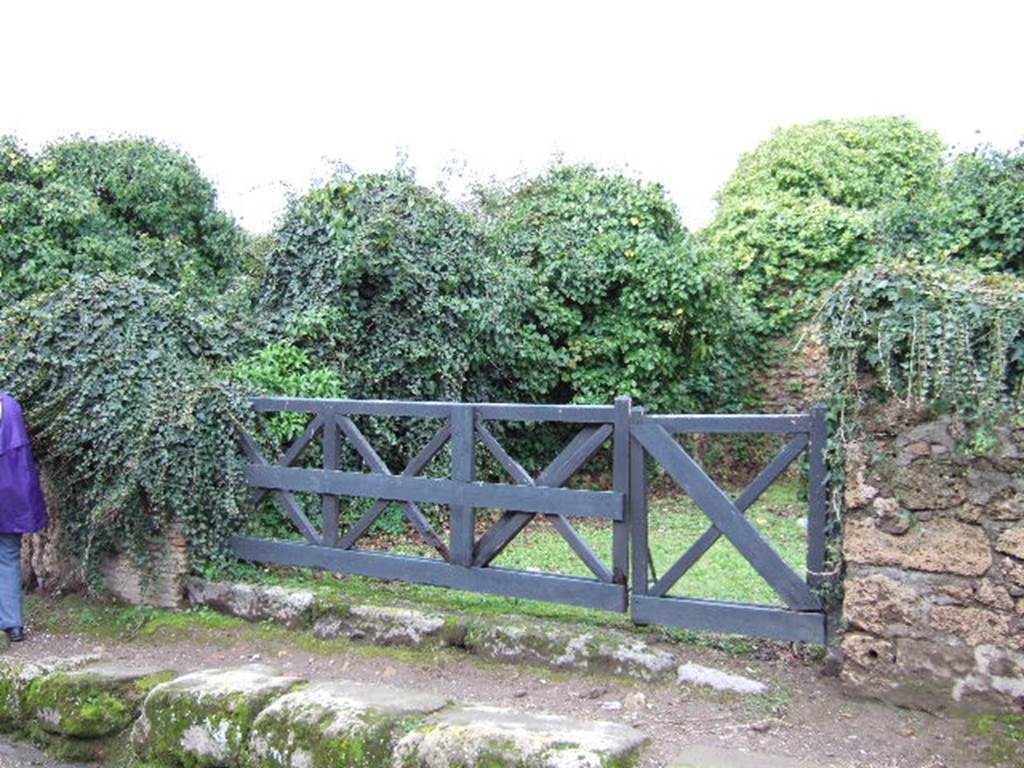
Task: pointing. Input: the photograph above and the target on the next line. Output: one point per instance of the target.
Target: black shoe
(17, 634)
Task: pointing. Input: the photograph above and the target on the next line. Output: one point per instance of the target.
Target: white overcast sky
(264, 95)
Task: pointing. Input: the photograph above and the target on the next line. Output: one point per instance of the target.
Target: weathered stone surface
(858, 492)
(929, 485)
(1011, 542)
(942, 545)
(868, 652)
(488, 737)
(1013, 571)
(91, 703)
(878, 604)
(930, 433)
(291, 607)
(975, 626)
(336, 723)
(390, 625)
(996, 669)
(993, 595)
(889, 517)
(716, 757)
(204, 718)
(695, 674)
(16, 675)
(607, 653)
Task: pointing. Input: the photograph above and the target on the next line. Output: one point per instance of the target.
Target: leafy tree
(127, 206)
(809, 204)
(620, 298)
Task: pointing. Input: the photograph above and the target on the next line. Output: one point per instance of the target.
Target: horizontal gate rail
(731, 618)
(559, 501)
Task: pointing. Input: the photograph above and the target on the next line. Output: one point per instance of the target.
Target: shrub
(132, 426)
(128, 206)
(927, 334)
(619, 298)
(807, 205)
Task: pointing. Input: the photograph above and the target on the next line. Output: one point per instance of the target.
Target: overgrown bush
(808, 204)
(385, 283)
(130, 422)
(928, 335)
(619, 297)
(127, 206)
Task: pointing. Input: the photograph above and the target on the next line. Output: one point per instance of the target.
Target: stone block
(489, 737)
(390, 625)
(336, 723)
(974, 626)
(204, 719)
(293, 608)
(880, 605)
(942, 545)
(606, 653)
(1011, 542)
(929, 485)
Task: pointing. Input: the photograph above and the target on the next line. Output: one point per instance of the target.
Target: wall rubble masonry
(933, 539)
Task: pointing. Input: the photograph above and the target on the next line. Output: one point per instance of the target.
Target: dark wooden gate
(465, 557)
(803, 618)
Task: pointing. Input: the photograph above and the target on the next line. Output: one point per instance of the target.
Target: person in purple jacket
(22, 510)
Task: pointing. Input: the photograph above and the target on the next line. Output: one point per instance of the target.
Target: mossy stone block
(332, 724)
(203, 720)
(490, 737)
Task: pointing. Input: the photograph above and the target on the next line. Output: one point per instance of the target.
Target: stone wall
(933, 538)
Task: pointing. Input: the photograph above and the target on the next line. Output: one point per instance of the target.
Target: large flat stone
(490, 737)
(336, 723)
(716, 757)
(91, 703)
(204, 719)
(293, 608)
(16, 675)
(716, 679)
(391, 625)
(551, 646)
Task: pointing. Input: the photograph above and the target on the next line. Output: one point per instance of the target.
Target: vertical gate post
(620, 483)
(638, 509)
(817, 513)
(463, 517)
(330, 501)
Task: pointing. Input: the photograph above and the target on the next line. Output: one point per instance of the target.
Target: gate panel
(465, 559)
(803, 619)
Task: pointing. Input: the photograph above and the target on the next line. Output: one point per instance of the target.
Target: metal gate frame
(465, 559)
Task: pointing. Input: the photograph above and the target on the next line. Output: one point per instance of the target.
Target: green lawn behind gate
(675, 523)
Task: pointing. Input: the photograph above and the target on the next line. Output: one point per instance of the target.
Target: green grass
(722, 574)
(1006, 738)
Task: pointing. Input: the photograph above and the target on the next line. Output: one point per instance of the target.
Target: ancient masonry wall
(933, 538)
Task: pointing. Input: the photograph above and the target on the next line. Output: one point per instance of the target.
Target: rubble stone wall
(933, 539)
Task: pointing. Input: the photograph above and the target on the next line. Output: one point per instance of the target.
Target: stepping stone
(490, 737)
(204, 719)
(90, 703)
(389, 625)
(695, 674)
(714, 757)
(337, 723)
(605, 653)
(17, 674)
(293, 608)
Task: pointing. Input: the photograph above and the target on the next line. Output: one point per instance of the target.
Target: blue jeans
(10, 581)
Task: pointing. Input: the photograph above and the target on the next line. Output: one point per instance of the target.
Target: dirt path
(807, 718)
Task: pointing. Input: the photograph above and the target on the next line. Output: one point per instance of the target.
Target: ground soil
(807, 716)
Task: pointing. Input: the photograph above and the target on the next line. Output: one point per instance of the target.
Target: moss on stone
(81, 705)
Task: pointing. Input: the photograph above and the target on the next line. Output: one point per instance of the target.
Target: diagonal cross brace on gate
(466, 560)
